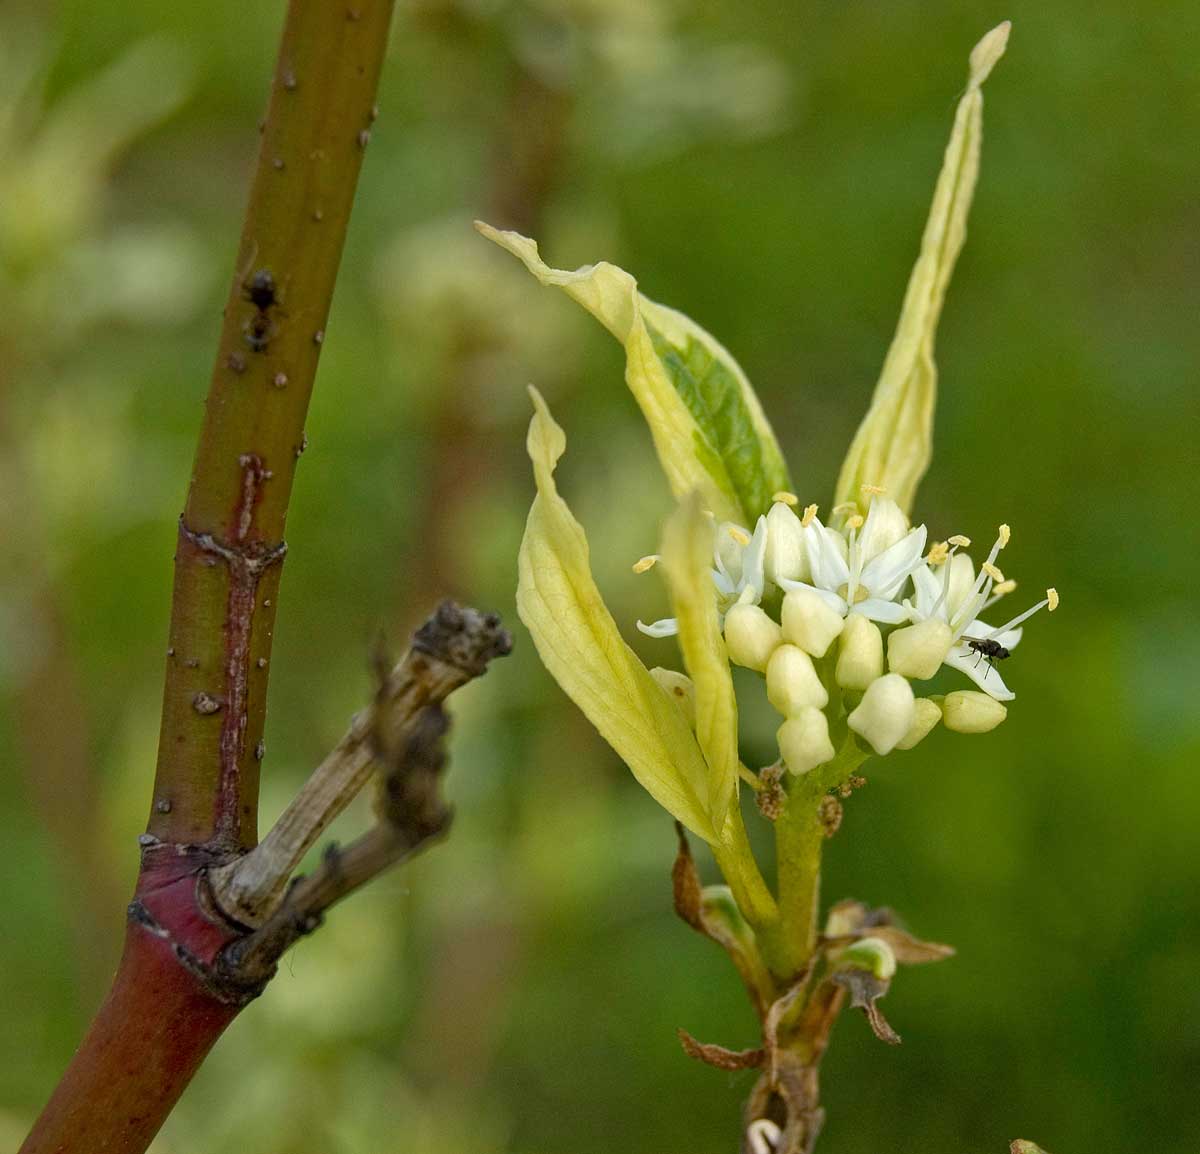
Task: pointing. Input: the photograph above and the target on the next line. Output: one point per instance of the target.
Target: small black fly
(989, 649)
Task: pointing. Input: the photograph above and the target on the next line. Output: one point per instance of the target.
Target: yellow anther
(959, 540)
(855, 522)
(874, 490)
(1003, 588)
(739, 535)
(938, 553)
(810, 512)
(848, 507)
(1052, 599)
(992, 572)
(647, 562)
(785, 498)
(1005, 534)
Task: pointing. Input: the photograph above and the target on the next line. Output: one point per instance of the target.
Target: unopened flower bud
(792, 682)
(927, 714)
(809, 622)
(804, 740)
(751, 636)
(679, 688)
(785, 555)
(919, 650)
(872, 954)
(967, 711)
(885, 714)
(860, 656)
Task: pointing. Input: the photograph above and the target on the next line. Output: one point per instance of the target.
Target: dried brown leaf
(719, 1056)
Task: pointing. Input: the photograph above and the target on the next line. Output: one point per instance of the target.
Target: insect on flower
(988, 648)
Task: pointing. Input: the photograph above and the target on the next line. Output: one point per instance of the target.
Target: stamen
(647, 562)
(998, 592)
(1005, 535)
(874, 490)
(992, 572)
(854, 556)
(984, 576)
(847, 507)
(785, 498)
(1052, 599)
(739, 535)
(810, 513)
(939, 554)
(945, 585)
(1023, 616)
(959, 540)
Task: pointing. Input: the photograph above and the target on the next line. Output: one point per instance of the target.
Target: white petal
(836, 603)
(979, 671)
(885, 525)
(724, 585)
(886, 573)
(752, 559)
(667, 627)
(928, 585)
(826, 556)
(878, 609)
(962, 580)
(729, 550)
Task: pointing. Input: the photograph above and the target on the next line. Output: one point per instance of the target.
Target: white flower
(737, 573)
(957, 596)
(865, 570)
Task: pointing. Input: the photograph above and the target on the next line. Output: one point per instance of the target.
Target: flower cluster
(853, 616)
(841, 618)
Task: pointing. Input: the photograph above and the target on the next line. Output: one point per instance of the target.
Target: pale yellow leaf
(709, 430)
(580, 645)
(893, 445)
(687, 551)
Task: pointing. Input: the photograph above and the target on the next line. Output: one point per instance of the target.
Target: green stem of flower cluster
(799, 840)
(800, 835)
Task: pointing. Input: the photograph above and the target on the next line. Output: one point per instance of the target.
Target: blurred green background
(766, 168)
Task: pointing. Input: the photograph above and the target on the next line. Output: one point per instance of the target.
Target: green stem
(799, 842)
(228, 560)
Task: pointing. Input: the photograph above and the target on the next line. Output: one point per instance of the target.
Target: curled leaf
(719, 1056)
(865, 990)
(708, 426)
(893, 444)
(580, 645)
